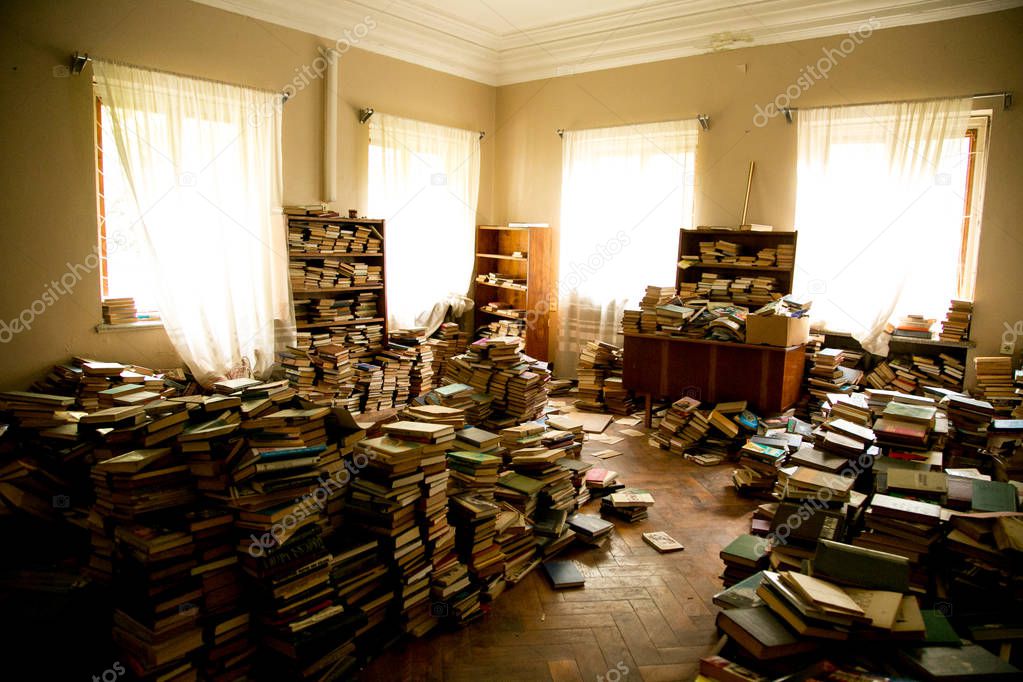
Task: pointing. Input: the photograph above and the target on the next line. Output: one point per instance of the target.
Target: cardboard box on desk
(777, 330)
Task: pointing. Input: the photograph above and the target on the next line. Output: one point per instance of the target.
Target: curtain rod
(366, 113)
(1006, 96)
(704, 120)
(79, 60)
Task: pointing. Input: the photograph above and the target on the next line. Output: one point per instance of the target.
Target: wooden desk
(769, 378)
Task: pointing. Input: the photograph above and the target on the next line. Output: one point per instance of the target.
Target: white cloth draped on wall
(879, 210)
(424, 181)
(625, 192)
(203, 160)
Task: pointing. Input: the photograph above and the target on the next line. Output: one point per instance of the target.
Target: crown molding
(440, 40)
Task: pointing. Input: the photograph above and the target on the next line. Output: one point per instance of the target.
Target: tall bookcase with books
(337, 281)
(513, 283)
(746, 267)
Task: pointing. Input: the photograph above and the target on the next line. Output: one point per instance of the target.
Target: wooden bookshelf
(749, 244)
(302, 225)
(522, 253)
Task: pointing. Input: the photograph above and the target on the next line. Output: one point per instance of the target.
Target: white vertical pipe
(330, 102)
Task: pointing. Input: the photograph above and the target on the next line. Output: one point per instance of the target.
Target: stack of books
(593, 368)
(830, 375)
(516, 384)
(473, 472)
(592, 530)
(456, 597)
(956, 325)
(517, 542)
(744, 556)
(579, 469)
(914, 327)
(757, 472)
(805, 483)
(474, 518)
(434, 414)
(519, 492)
(995, 383)
(227, 632)
(157, 614)
(904, 527)
(630, 504)
(681, 427)
(119, 311)
(447, 342)
(905, 425)
(141, 482)
(632, 321)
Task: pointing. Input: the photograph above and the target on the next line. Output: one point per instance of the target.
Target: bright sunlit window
(888, 212)
(122, 260)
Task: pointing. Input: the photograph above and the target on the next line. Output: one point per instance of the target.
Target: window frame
(101, 227)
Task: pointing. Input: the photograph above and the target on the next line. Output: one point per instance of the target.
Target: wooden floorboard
(646, 613)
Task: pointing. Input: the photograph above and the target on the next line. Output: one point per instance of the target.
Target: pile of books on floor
(509, 382)
(599, 370)
(157, 623)
(832, 609)
(744, 556)
(956, 325)
(995, 383)
(757, 470)
(909, 423)
(630, 504)
(829, 374)
(474, 518)
(447, 342)
(681, 427)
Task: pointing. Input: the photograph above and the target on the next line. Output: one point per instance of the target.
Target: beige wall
(47, 174)
(50, 217)
(977, 54)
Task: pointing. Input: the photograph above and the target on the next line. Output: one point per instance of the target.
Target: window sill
(141, 325)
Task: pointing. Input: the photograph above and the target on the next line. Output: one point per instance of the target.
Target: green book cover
(474, 459)
(523, 484)
(993, 496)
(748, 547)
(939, 631)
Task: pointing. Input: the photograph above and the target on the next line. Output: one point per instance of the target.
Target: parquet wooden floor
(641, 616)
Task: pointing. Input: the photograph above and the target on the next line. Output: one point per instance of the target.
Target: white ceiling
(498, 42)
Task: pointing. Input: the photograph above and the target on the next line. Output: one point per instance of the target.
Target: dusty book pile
(504, 386)
(956, 325)
(599, 370)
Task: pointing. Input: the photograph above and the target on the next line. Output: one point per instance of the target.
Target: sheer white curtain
(879, 210)
(203, 160)
(625, 192)
(424, 180)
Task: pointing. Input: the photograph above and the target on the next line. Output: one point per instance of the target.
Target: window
(886, 212)
(625, 192)
(191, 214)
(123, 273)
(424, 181)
